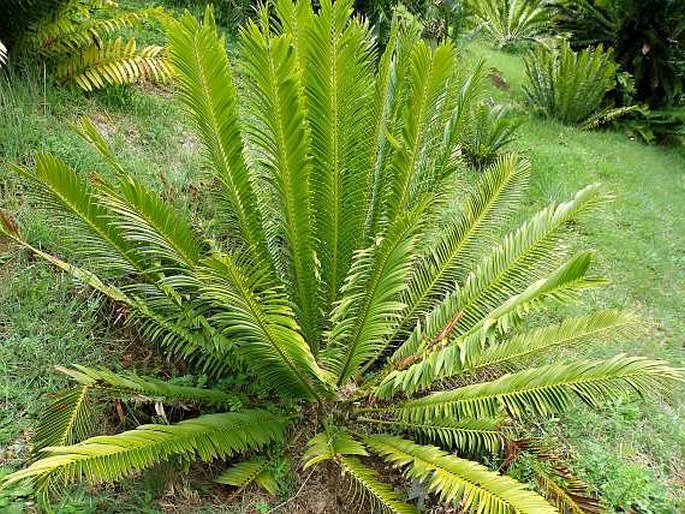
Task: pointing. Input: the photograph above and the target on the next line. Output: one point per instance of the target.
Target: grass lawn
(633, 452)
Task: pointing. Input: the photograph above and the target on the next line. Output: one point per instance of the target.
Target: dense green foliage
(648, 38)
(81, 41)
(226, 298)
(510, 22)
(566, 85)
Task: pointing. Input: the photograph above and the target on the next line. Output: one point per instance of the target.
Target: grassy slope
(634, 452)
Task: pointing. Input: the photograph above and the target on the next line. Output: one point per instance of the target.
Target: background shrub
(648, 37)
(566, 85)
(510, 22)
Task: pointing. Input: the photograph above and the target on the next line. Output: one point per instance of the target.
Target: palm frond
(130, 384)
(111, 457)
(543, 390)
(598, 326)
(206, 89)
(439, 357)
(160, 232)
(56, 187)
(281, 145)
(474, 229)
(338, 83)
(370, 305)
(429, 75)
(114, 62)
(262, 324)
(67, 420)
(331, 445)
(370, 491)
(470, 485)
(468, 435)
(244, 473)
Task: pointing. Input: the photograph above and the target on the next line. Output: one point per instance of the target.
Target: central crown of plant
(337, 270)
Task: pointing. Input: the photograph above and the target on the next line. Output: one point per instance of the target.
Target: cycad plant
(566, 85)
(510, 22)
(385, 329)
(81, 40)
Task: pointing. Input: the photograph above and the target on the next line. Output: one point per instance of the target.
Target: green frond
(543, 390)
(523, 257)
(281, 146)
(465, 483)
(159, 231)
(390, 92)
(598, 326)
(370, 491)
(90, 133)
(509, 22)
(331, 445)
(130, 384)
(429, 74)
(57, 188)
(244, 473)
(206, 88)
(436, 357)
(115, 62)
(338, 81)
(107, 458)
(369, 305)
(63, 34)
(469, 435)
(475, 228)
(67, 420)
(261, 323)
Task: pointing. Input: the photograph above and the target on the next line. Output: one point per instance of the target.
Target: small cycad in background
(507, 23)
(377, 323)
(81, 41)
(568, 86)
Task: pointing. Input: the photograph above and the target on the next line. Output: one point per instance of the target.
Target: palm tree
(331, 273)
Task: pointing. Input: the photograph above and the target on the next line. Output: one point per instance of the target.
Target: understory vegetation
(425, 265)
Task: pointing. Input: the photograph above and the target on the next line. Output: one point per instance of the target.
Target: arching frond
(244, 473)
(370, 303)
(390, 93)
(67, 420)
(57, 188)
(543, 390)
(474, 487)
(115, 62)
(282, 148)
(485, 211)
(111, 457)
(523, 257)
(338, 84)
(442, 356)
(206, 88)
(262, 323)
(130, 384)
(598, 326)
(159, 231)
(466, 435)
(368, 489)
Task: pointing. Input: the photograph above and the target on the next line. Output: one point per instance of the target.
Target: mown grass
(633, 451)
